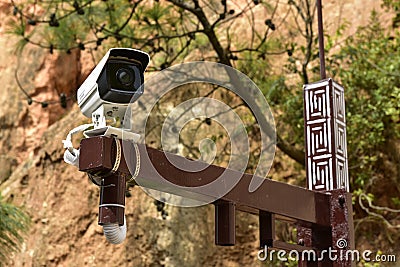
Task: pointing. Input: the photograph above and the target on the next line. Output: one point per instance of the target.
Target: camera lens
(121, 78)
(125, 76)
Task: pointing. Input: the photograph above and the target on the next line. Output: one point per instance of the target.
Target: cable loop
(137, 167)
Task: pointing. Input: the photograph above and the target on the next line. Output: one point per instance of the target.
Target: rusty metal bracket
(157, 172)
(337, 238)
(324, 218)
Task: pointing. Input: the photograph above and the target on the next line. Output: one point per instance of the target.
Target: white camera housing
(116, 81)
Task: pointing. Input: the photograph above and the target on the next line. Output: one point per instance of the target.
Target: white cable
(114, 233)
(137, 168)
(72, 157)
(117, 156)
(112, 205)
(71, 154)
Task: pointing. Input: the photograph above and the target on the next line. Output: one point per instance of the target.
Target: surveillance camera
(114, 83)
(116, 80)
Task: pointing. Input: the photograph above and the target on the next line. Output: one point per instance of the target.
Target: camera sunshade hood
(133, 54)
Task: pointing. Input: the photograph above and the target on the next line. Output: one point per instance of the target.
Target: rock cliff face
(63, 203)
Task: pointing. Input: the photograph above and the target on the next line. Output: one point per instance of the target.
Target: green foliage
(368, 66)
(169, 31)
(369, 71)
(13, 224)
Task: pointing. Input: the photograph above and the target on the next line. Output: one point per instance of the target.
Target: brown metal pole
(112, 200)
(225, 223)
(342, 237)
(266, 228)
(97, 159)
(321, 40)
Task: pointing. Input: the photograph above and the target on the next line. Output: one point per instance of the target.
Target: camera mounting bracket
(110, 131)
(112, 114)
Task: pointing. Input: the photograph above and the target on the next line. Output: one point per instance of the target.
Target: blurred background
(48, 209)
